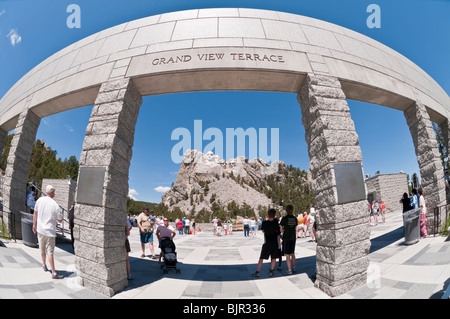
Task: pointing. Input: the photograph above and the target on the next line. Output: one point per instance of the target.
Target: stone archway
(218, 49)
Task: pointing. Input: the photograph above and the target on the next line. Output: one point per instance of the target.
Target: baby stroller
(169, 255)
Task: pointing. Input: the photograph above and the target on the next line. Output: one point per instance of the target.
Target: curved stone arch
(222, 49)
(71, 77)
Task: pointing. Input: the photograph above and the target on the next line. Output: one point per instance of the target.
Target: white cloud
(69, 128)
(2, 12)
(132, 193)
(14, 37)
(161, 189)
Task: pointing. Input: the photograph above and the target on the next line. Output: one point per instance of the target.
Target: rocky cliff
(208, 184)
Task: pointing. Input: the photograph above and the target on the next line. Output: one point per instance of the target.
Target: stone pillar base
(105, 287)
(334, 289)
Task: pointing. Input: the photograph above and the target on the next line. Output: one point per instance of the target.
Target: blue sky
(31, 31)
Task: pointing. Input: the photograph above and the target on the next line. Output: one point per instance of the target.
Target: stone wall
(389, 188)
(64, 192)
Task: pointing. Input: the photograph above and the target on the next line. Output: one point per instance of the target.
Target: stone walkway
(221, 267)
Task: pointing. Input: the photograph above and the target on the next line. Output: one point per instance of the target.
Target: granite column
(335, 163)
(102, 189)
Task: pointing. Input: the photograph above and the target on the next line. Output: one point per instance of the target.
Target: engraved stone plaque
(349, 182)
(90, 185)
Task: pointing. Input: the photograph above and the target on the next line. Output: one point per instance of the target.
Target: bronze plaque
(349, 182)
(90, 185)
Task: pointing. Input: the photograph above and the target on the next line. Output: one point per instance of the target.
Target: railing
(14, 223)
(14, 217)
(11, 227)
(441, 220)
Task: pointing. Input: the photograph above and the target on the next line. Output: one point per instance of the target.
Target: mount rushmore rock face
(205, 179)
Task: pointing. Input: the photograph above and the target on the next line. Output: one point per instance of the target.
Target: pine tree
(44, 163)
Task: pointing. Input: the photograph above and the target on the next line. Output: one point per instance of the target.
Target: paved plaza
(221, 267)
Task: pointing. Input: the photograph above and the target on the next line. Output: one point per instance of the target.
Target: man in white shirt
(46, 213)
(246, 227)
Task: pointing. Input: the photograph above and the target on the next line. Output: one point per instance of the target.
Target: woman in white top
(219, 227)
(423, 214)
(252, 227)
(311, 219)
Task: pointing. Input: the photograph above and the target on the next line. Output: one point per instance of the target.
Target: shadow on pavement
(147, 271)
(386, 239)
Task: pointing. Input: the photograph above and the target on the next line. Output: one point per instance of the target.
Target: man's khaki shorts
(46, 244)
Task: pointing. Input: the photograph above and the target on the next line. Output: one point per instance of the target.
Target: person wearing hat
(145, 224)
(46, 213)
(153, 219)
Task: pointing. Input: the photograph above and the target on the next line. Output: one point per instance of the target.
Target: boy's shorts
(288, 247)
(270, 249)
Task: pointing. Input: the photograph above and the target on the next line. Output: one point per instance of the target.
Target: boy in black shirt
(288, 225)
(271, 231)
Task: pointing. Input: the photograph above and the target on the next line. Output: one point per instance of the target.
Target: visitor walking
(312, 221)
(46, 213)
(153, 219)
(214, 221)
(219, 227)
(230, 226)
(252, 227)
(192, 226)
(165, 231)
(406, 202)
(146, 227)
(128, 228)
(246, 227)
(31, 199)
(71, 216)
(225, 227)
(383, 211)
(306, 224)
(414, 199)
(271, 230)
(375, 213)
(299, 225)
(179, 224)
(423, 214)
(187, 226)
(288, 224)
